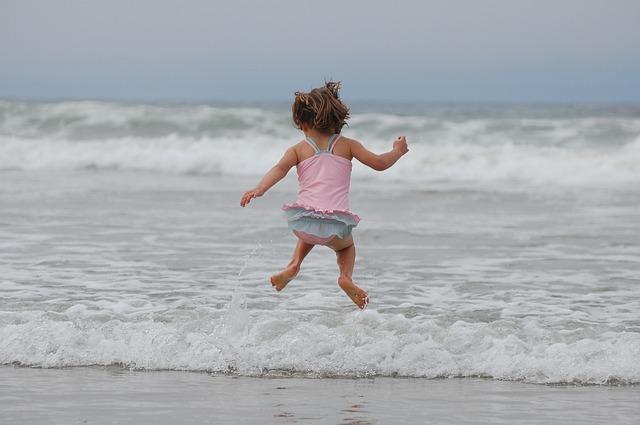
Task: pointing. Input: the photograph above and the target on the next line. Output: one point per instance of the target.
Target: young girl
(321, 215)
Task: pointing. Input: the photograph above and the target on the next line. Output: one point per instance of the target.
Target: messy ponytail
(321, 108)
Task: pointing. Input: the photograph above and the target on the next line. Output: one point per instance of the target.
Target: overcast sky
(241, 50)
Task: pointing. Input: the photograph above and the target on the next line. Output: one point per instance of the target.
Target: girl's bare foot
(358, 295)
(280, 280)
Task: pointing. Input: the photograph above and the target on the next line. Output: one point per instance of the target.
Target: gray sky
(241, 50)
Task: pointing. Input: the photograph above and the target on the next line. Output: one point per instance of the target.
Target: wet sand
(112, 395)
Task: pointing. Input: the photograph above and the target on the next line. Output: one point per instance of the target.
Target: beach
(501, 256)
(119, 396)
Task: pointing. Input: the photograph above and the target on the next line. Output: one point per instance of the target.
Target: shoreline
(286, 374)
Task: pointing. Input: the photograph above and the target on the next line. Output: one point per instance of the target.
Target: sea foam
(435, 162)
(358, 344)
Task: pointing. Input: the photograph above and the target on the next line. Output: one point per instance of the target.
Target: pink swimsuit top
(324, 179)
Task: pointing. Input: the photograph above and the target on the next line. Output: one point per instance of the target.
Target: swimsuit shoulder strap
(313, 144)
(332, 142)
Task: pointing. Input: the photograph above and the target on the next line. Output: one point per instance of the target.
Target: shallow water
(162, 271)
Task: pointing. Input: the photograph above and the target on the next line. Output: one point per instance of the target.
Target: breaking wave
(356, 345)
(202, 139)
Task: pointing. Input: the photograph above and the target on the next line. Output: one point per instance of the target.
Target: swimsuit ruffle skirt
(321, 211)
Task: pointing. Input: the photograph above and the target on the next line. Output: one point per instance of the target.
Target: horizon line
(397, 101)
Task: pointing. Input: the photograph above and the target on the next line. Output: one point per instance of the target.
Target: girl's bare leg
(280, 280)
(346, 254)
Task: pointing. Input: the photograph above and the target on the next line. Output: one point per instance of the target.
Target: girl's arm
(273, 176)
(383, 161)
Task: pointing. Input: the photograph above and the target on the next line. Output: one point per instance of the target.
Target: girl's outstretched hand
(400, 145)
(249, 195)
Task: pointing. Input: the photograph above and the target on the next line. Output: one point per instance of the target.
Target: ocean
(503, 248)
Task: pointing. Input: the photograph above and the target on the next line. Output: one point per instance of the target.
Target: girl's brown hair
(321, 108)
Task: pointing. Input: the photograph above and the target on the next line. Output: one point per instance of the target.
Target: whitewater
(486, 145)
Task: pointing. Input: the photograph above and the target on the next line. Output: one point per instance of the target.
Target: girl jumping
(321, 215)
